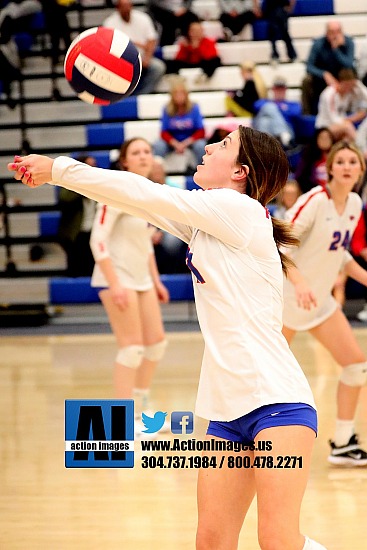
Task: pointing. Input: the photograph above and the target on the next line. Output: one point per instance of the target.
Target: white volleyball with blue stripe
(102, 65)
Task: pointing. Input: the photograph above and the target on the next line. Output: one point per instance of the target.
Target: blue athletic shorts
(246, 428)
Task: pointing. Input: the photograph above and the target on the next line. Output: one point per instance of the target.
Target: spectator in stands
(236, 14)
(130, 287)
(362, 62)
(275, 116)
(328, 55)
(173, 18)
(311, 168)
(15, 17)
(242, 102)
(196, 50)
(9, 70)
(342, 106)
(277, 13)
(286, 199)
(182, 124)
(57, 26)
(140, 29)
(361, 137)
(77, 214)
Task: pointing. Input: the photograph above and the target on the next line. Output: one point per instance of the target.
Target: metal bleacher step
(18, 193)
(19, 291)
(90, 18)
(53, 259)
(44, 139)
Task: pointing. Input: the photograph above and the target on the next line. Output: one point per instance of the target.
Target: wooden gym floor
(44, 506)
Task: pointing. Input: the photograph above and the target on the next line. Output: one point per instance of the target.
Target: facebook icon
(182, 422)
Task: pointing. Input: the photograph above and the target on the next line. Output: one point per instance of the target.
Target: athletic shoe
(348, 455)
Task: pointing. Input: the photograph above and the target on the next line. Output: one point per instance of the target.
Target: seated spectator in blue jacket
(275, 116)
(328, 55)
(182, 124)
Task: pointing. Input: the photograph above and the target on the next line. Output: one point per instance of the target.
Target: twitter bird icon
(153, 423)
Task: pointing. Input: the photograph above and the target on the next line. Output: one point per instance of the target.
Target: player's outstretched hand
(305, 297)
(32, 170)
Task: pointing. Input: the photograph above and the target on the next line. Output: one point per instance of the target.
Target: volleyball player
(127, 274)
(324, 219)
(251, 387)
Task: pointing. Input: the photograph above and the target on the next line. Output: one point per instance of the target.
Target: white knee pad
(130, 356)
(155, 352)
(354, 375)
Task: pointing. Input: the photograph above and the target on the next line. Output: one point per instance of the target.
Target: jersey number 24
(339, 241)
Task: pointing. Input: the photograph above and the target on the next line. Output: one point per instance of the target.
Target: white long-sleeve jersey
(324, 240)
(237, 279)
(126, 240)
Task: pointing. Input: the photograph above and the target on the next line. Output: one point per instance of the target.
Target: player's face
(179, 97)
(124, 7)
(139, 158)
(219, 163)
(346, 169)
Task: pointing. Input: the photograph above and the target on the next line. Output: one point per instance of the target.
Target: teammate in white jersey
(324, 219)
(127, 274)
(251, 387)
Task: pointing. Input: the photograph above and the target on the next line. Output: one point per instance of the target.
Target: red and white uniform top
(324, 236)
(127, 241)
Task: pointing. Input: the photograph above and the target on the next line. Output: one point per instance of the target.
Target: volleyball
(102, 65)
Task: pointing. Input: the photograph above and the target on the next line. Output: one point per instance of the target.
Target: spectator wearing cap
(275, 116)
(328, 55)
(343, 106)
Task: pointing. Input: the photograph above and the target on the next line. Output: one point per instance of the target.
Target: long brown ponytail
(268, 173)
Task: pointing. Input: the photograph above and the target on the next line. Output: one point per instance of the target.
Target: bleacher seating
(71, 127)
(65, 290)
(114, 133)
